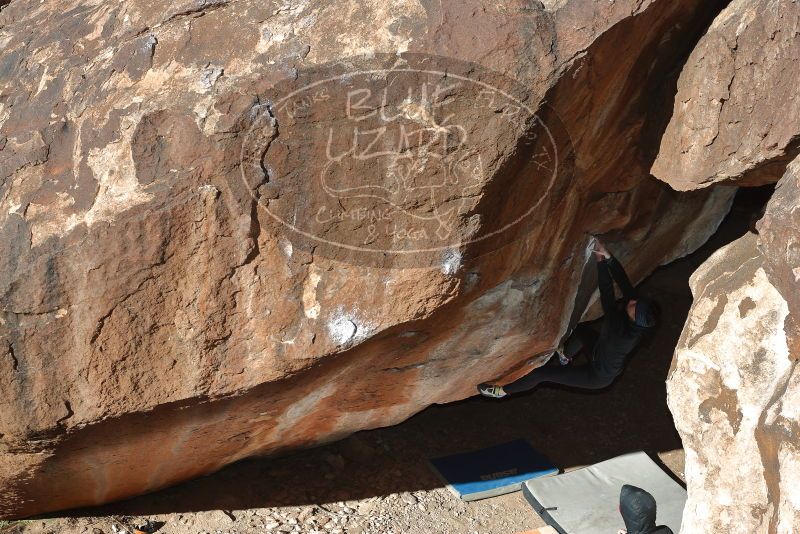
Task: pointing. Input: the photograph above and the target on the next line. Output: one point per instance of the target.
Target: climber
(638, 509)
(624, 325)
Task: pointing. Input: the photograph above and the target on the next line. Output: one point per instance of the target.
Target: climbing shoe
(488, 390)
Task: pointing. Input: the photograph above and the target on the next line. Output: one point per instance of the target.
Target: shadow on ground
(571, 427)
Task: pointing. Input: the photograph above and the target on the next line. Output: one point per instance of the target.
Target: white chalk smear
(451, 262)
(347, 328)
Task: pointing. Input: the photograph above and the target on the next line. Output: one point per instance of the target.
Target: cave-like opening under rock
(571, 427)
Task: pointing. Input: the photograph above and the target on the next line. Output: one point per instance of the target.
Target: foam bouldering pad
(586, 501)
(492, 471)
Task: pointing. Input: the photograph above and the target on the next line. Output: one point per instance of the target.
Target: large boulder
(197, 266)
(737, 112)
(734, 387)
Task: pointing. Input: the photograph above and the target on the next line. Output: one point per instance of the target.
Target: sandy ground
(379, 481)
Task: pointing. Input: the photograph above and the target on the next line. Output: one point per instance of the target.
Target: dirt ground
(378, 481)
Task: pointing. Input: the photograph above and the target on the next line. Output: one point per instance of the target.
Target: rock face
(734, 388)
(737, 111)
(206, 207)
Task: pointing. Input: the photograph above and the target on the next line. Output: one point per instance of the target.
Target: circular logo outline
(350, 74)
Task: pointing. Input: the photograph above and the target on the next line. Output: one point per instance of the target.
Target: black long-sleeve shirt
(618, 335)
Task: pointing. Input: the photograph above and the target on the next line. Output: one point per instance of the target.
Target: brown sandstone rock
(737, 111)
(734, 388)
(170, 304)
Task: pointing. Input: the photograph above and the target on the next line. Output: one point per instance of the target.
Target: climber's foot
(489, 390)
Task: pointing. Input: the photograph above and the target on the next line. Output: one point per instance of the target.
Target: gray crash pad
(586, 501)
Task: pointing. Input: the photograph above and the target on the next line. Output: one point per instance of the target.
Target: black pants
(584, 376)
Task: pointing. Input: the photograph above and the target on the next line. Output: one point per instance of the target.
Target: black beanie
(646, 312)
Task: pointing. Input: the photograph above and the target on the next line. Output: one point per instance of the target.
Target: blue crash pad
(492, 471)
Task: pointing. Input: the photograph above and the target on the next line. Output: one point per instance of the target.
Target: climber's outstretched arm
(621, 278)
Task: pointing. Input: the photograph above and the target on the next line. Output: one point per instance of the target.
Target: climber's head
(638, 509)
(643, 312)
